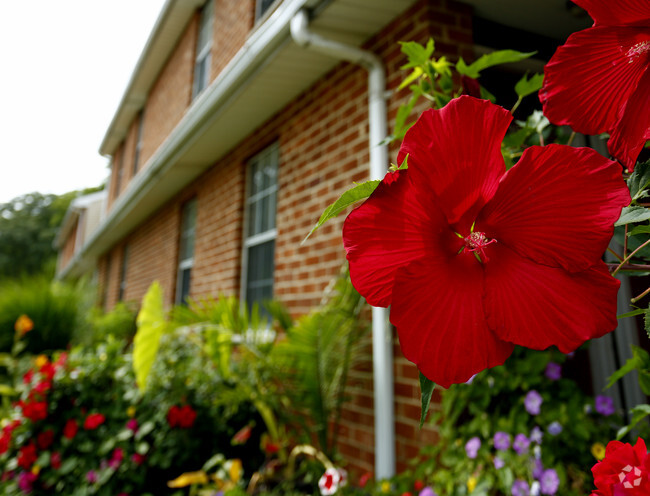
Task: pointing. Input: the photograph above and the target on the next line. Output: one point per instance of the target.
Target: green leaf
(639, 181)
(639, 230)
(351, 196)
(151, 325)
(426, 390)
(417, 54)
(630, 215)
(490, 59)
(646, 321)
(6, 390)
(633, 313)
(525, 86)
(639, 412)
(416, 74)
(640, 361)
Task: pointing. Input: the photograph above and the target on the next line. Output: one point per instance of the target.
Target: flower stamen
(476, 243)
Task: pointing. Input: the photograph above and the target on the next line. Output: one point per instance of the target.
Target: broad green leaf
(351, 196)
(6, 390)
(151, 325)
(417, 54)
(639, 230)
(426, 391)
(403, 113)
(630, 215)
(639, 412)
(639, 181)
(490, 59)
(525, 86)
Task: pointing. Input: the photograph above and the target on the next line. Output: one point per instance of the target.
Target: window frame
(189, 208)
(250, 241)
(260, 12)
(138, 143)
(203, 56)
(121, 289)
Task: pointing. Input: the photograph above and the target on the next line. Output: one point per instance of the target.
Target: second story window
(138, 143)
(186, 251)
(262, 6)
(260, 233)
(203, 48)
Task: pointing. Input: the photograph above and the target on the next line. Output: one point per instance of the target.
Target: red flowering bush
(491, 248)
(625, 470)
(599, 81)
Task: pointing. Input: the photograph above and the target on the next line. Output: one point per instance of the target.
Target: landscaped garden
(487, 231)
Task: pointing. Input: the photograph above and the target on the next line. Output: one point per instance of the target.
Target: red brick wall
(67, 251)
(323, 140)
(171, 94)
(233, 21)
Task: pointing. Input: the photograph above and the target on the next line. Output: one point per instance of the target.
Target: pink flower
(599, 81)
(132, 424)
(465, 253)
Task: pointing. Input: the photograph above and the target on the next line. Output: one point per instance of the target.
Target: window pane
(260, 272)
(264, 6)
(184, 278)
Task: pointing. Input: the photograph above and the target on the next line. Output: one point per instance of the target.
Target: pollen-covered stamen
(476, 242)
(638, 50)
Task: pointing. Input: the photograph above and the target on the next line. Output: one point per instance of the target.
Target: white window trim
(256, 239)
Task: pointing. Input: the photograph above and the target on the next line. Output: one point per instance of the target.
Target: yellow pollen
(638, 50)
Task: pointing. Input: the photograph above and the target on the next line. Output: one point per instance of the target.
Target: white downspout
(382, 348)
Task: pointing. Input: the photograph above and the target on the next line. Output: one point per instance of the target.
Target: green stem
(634, 300)
(630, 256)
(514, 107)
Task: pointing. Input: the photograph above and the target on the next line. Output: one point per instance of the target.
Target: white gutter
(382, 348)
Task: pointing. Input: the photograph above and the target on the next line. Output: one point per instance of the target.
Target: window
(119, 172)
(138, 143)
(262, 6)
(260, 231)
(186, 251)
(125, 261)
(203, 46)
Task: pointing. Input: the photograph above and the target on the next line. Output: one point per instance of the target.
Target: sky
(64, 66)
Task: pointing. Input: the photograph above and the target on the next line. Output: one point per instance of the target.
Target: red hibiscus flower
(182, 417)
(45, 439)
(34, 410)
(27, 455)
(599, 81)
(55, 460)
(473, 259)
(70, 429)
(93, 421)
(624, 470)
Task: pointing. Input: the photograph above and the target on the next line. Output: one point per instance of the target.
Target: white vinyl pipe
(382, 348)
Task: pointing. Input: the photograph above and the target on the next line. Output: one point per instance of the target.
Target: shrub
(54, 307)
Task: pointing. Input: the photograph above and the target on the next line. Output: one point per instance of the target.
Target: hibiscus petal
(537, 306)
(438, 312)
(589, 78)
(455, 152)
(557, 206)
(633, 130)
(618, 13)
(389, 230)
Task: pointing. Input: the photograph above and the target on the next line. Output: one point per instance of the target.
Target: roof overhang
(267, 73)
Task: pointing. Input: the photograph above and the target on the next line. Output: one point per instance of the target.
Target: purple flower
(536, 435)
(520, 444)
(427, 491)
(604, 405)
(520, 488)
(498, 463)
(26, 481)
(472, 446)
(91, 476)
(538, 469)
(533, 402)
(554, 428)
(501, 440)
(549, 481)
(553, 371)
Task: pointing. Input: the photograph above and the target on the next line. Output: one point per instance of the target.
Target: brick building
(232, 138)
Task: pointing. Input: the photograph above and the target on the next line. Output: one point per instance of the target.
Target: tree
(28, 226)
